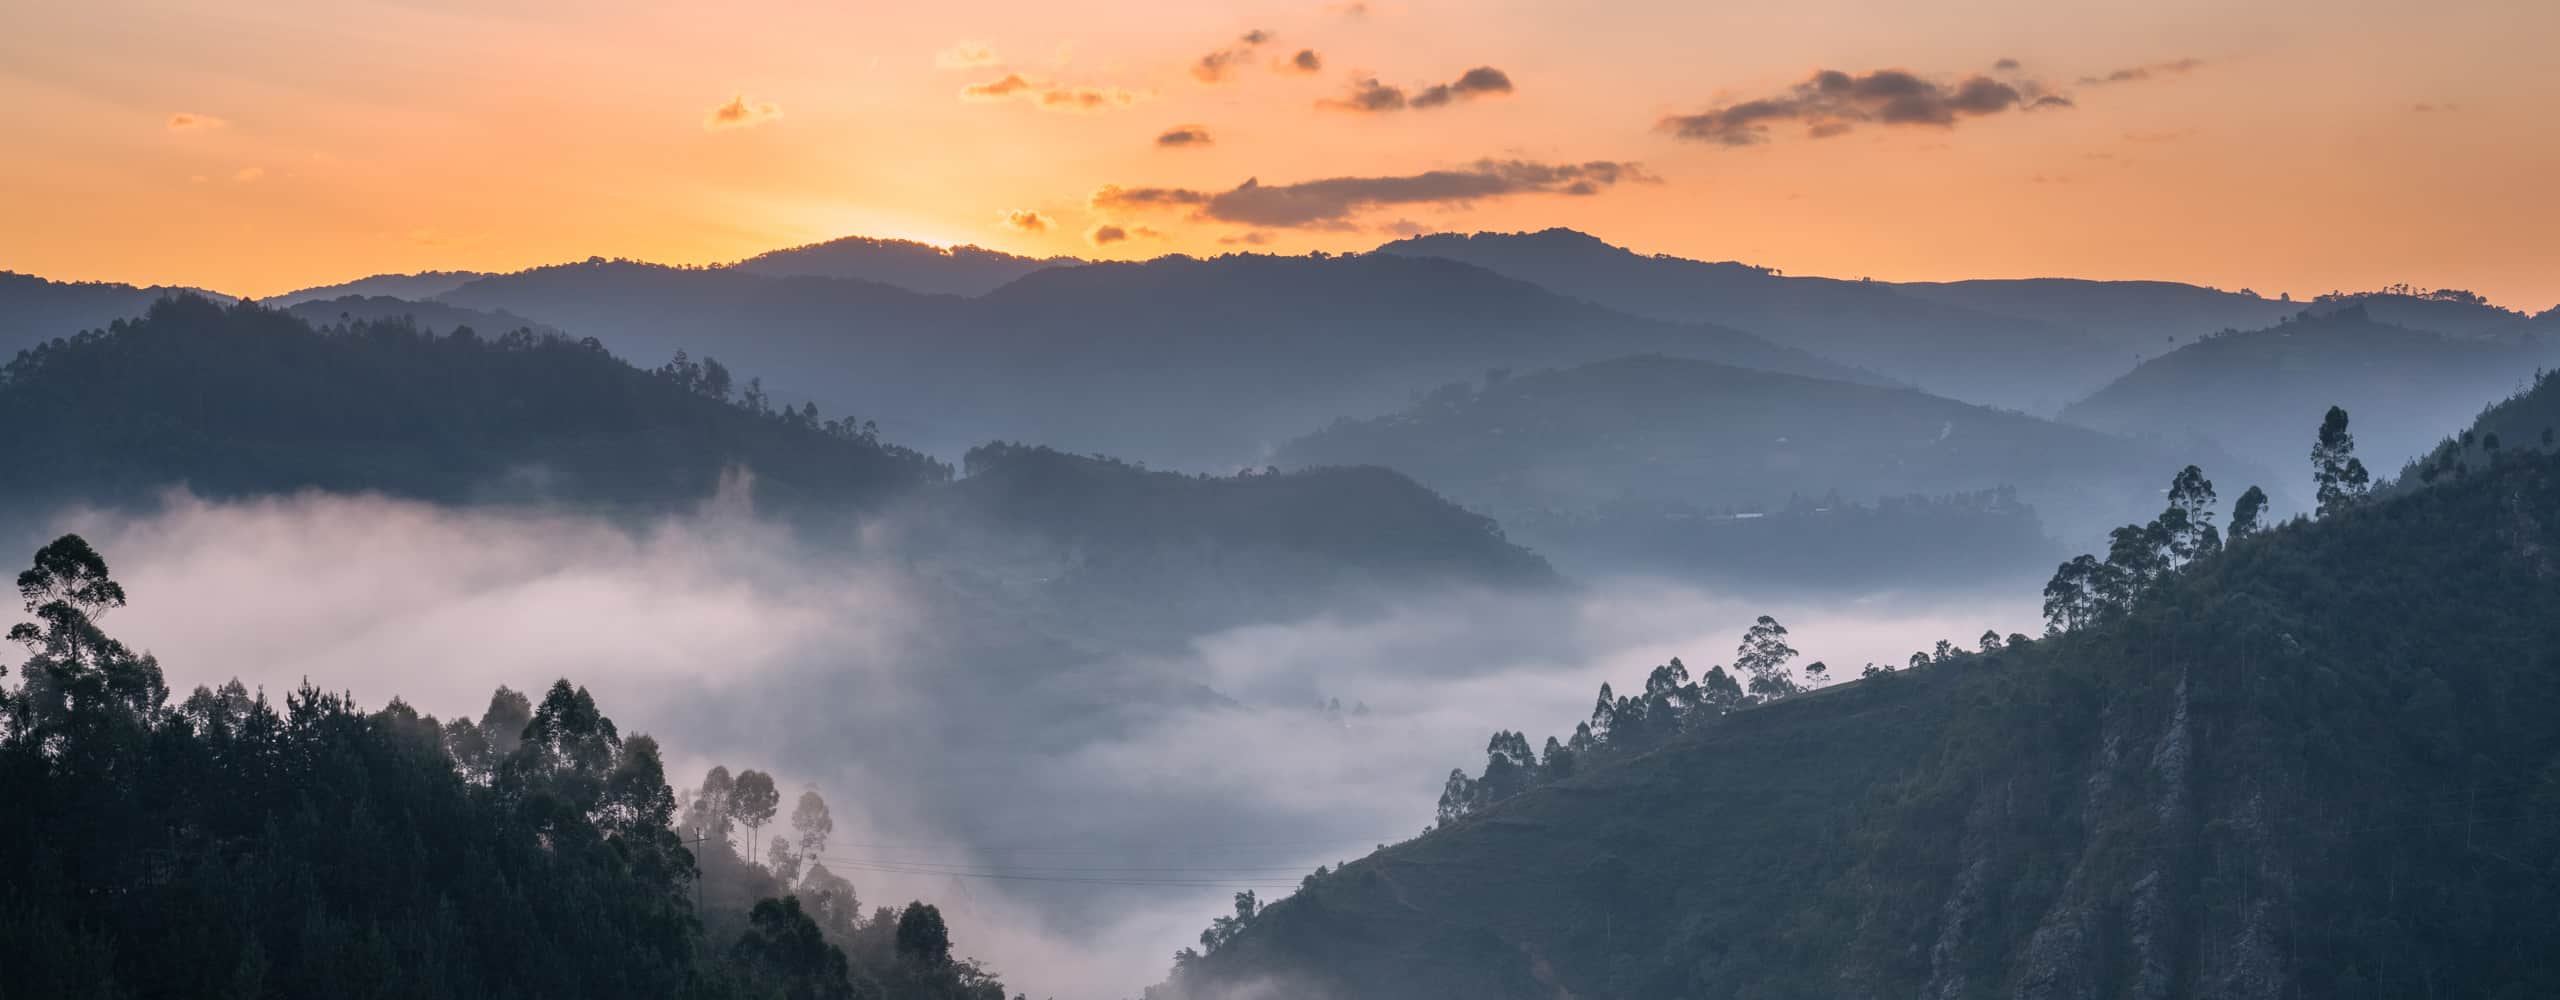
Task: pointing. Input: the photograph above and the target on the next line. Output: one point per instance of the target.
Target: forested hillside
(240, 400)
(916, 267)
(225, 846)
(34, 310)
(2313, 761)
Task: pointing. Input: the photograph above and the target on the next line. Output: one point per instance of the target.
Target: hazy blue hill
(430, 316)
(2145, 317)
(2318, 765)
(2454, 313)
(34, 310)
(1969, 350)
(421, 285)
(2525, 423)
(922, 267)
(1552, 452)
(1205, 363)
(2261, 393)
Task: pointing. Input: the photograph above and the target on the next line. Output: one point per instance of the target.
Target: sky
(2299, 146)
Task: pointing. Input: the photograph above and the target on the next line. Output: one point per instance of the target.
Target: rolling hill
(34, 310)
(917, 267)
(2261, 394)
(2031, 346)
(2318, 764)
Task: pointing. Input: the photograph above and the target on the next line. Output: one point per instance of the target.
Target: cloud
(1048, 96)
(1254, 238)
(1405, 227)
(966, 55)
(1353, 10)
(248, 175)
(1181, 136)
(2431, 107)
(1216, 66)
(1477, 82)
(1369, 96)
(2135, 74)
(1027, 220)
(1306, 61)
(1330, 203)
(1106, 234)
(741, 113)
(2006, 65)
(186, 121)
(1832, 102)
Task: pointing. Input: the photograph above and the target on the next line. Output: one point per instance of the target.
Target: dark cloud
(1027, 220)
(1306, 61)
(1107, 234)
(1367, 95)
(1251, 239)
(1477, 82)
(2006, 65)
(1184, 135)
(1048, 96)
(1832, 102)
(1331, 203)
(2136, 74)
(1214, 67)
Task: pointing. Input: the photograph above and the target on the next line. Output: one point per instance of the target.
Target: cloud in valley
(741, 113)
(1369, 96)
(1831, 102)
(1332, 203)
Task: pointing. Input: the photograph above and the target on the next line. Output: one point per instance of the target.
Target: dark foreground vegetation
(225, 846)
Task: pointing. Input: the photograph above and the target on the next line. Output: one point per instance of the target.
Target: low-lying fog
(1078, 812)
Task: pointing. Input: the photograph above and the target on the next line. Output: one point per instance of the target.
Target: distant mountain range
(34, 310)
(1196, 363)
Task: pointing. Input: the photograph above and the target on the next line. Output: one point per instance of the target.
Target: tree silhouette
(2338, 476)
(753, 801)
(2246, 513)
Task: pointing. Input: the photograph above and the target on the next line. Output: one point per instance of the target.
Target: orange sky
(324, 140)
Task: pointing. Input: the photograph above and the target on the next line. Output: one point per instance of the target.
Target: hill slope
(2260, 394)
(1200, 363)
(2317, 765)
(1550, 452)
(1969, 346)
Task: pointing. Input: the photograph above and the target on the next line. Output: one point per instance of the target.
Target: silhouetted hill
(2261, 394)
(1681, 446)
(34, 310)
(1968, 347)
(2319, 764)
(2525, 423)
(414, 287)
(2450, 312)
(2147, 318)
(429, 316)
(1203, 363)
(920, 267)
(242, 400)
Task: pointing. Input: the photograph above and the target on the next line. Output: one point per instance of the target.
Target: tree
(78, 681)
(813, 823)
(708, 819)
(2188, 522)
(2246, 513)
(753, 802)
(1457, 797)
(1990, 641)
(923, 939)
(1224, 929)
(1817, 672)
(2338, 477)
(783, 860)
(1509, 767)
(785, 954)
(1763, 655)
